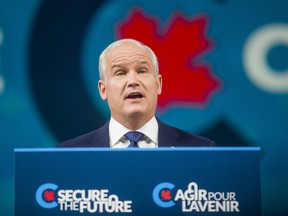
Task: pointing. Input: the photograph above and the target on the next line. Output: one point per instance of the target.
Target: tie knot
(134, 137)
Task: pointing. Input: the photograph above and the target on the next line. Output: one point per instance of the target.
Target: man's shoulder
(79, 141)
(194, 139)
(183, 138)
(90, 139)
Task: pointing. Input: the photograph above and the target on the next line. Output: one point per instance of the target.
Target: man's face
(131, 86)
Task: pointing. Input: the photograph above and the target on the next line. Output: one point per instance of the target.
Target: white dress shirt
(118, 140)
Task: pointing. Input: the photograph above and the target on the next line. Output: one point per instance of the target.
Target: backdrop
(224, 65)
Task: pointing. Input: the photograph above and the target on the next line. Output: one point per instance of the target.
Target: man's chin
(136, 113)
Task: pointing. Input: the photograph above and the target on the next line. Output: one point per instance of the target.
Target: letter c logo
(156, 195)
(39, 195)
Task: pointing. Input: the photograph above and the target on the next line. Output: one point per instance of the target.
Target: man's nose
(132, 78)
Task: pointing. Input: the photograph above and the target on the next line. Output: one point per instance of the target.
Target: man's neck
(133, 122)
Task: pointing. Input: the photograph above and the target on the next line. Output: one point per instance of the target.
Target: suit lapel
(167, 136)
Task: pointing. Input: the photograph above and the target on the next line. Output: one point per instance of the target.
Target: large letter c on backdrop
(255, 58)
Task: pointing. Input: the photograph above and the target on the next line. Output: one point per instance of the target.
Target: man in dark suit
(130, 82)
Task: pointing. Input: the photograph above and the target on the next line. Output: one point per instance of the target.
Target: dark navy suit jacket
(167, 137)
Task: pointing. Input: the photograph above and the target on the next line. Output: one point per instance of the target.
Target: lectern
(164, 181)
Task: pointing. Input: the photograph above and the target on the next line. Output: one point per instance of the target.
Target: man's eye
(142, 71)
(120, 73)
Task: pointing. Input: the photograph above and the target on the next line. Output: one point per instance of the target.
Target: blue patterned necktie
(133, 137)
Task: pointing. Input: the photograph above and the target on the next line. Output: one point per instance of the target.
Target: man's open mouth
(134, 95)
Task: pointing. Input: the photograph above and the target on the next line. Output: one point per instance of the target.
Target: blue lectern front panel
(174, 181)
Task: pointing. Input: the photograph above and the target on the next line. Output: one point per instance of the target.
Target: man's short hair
(103, 56)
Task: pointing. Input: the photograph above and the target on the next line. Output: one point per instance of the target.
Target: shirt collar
(150, 130)
(117, 130)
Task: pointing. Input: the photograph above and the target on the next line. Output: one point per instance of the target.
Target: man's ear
(159, 84)
(102, 89)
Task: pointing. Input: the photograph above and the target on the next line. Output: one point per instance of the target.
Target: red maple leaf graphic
(49, 196)
(165, 195)
(186, 79)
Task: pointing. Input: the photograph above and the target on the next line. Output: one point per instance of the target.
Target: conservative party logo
(194, 199)
(81, 200)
